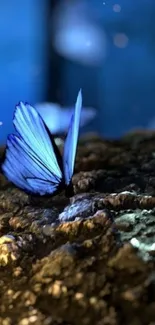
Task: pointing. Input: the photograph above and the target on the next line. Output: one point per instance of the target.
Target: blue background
(22, 56)
(122, 90)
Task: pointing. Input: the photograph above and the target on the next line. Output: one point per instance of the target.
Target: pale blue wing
(42, 186)
(31, 128)
(30, 161)
(12, 167)
(71, 141)
(23, 169)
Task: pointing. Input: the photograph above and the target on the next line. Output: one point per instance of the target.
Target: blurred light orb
(83, 43)
(120, 40)
(76, 36)
(116, 8)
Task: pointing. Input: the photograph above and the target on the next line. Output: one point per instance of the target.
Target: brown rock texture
(90, 259)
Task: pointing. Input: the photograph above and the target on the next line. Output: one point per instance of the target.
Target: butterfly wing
(71, 141)
(31, 163)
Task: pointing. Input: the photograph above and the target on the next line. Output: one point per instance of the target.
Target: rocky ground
(88, 260)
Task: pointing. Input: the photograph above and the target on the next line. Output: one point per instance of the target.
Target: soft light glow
(121, 40)
(116, 8)
(77, 37)
(57, 118)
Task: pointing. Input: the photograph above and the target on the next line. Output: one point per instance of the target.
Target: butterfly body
(32, 159)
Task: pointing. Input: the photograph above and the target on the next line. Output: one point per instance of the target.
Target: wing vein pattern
(30, 161)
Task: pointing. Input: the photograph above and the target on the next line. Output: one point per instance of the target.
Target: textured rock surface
(87, 260)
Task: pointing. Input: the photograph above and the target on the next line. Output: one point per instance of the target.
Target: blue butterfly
(32, 160)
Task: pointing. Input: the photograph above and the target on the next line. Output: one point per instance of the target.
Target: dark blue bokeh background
(22, 56)
(122, 88)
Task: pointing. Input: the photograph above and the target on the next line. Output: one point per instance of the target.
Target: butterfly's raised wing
(71, 141)
(30, 162)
